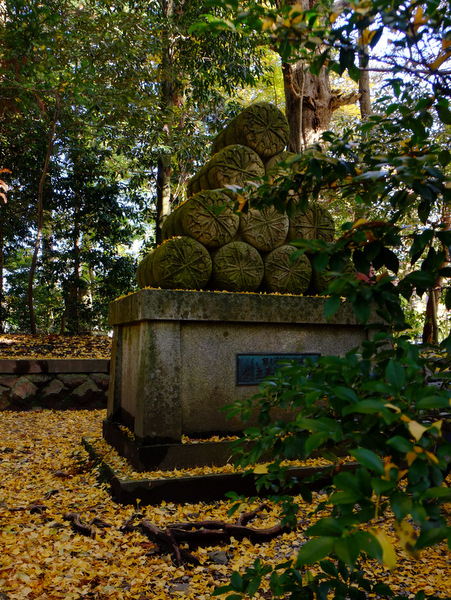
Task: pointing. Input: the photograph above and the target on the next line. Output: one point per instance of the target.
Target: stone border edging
(54, 365)
(199, 487)
(58, 384)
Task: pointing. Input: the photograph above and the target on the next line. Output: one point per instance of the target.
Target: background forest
(107, 109)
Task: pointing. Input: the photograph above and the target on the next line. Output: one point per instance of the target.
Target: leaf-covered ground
(45, 346)
(43, 476)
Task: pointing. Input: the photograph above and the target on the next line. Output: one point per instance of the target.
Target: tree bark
(431, 325)
(364, 84)
(309, 100)
(164, 169)
(40, 221)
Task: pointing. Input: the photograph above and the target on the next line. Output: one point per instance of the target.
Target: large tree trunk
(310, 104)
(164, 169)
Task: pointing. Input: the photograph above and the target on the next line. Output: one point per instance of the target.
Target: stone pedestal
(176, 357)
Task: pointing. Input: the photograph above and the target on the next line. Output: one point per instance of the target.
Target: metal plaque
(251, 369)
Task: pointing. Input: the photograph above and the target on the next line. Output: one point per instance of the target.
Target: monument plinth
(180, 356)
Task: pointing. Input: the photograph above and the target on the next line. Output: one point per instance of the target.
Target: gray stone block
(175, 354)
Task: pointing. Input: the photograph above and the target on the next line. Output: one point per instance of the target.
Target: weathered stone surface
(264, 229)
(234, 165)
(209, 218)
(54, 388)
(284, 275)
(86, 390)
(237, 267)
(73, 380)
(8, 380)
(163, 305)
(314, 223)
(181, 263)
(24, 388)
(261, 126)
(39, 379)
(100, 379)
(174, 362)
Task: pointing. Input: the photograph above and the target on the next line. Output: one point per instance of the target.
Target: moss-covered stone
(144, 273)
(314, 223)
(234, 165)
(209, 218)
(321, 281)
(264, 229)
(181, 263)
(262, 126)
(284, 275)
(280, 164)
(237, 267)
(167, 229)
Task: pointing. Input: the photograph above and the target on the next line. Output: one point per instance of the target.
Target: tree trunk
(364, 84)
(2, 263)
(431, 326)
(309, 100)
(70, 317)
(164, 169)
(40, 221)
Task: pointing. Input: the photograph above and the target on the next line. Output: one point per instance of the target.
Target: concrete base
(174, 357)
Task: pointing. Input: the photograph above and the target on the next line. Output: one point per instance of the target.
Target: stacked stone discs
(261, 127)
(233, 166)
(209, 246)
(180, 263)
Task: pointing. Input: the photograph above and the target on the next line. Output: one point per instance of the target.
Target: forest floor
(45, 346)
(45, 473)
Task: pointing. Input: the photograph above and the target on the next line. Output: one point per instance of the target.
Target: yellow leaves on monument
(388, 552)
(407, 537)
(260, 469)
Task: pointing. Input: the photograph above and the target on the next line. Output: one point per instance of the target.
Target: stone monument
(220, 307)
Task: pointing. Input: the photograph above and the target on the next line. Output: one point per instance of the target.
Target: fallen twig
(78, 526)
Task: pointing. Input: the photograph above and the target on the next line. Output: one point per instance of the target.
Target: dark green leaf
(315, 550)
(395, 375)
(368, 459)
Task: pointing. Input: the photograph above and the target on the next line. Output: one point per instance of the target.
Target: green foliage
(386, 403)
(380, 404)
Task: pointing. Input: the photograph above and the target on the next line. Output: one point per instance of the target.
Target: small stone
(87, 390)
(54, 388)
(24, 388)
(9, 380)
(100, 379)
(72, 380)
(180, 587)
(219, 557)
